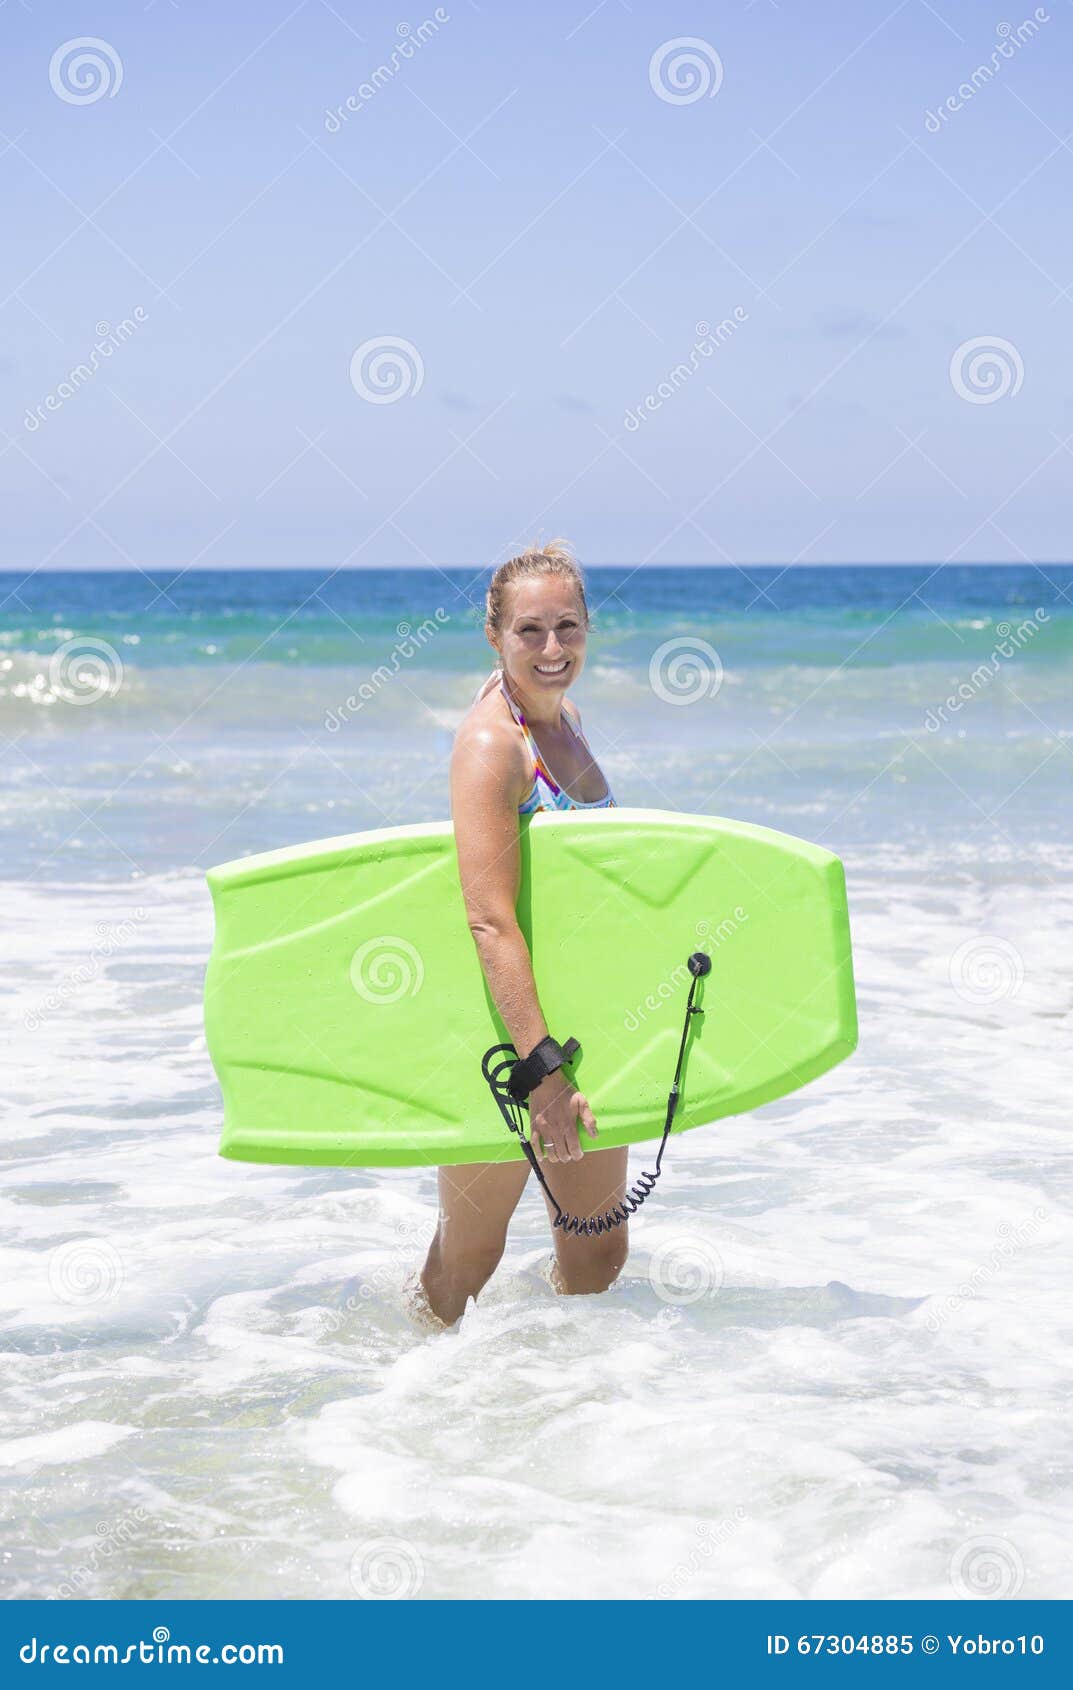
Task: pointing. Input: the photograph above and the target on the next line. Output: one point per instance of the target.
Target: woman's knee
(472, 1261)
(480, 1262)
(592, 1264)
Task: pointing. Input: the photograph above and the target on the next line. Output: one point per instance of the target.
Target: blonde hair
(554, 558)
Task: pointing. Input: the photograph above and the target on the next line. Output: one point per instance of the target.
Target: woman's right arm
(488, 773)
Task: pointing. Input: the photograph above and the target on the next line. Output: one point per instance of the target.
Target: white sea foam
(215, 1362)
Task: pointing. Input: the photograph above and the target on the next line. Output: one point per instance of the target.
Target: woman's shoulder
(487, 739)
(486, 716)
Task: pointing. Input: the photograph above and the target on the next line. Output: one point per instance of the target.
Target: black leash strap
(497, 1073)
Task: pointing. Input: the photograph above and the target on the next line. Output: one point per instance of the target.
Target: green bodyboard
(347, 1013)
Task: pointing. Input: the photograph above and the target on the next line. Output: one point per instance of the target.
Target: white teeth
(557, 670)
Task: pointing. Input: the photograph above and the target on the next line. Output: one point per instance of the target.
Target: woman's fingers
(567, 1145)
(543, 1143)
(559, 1150)
(588, 1118)
(562, 1142)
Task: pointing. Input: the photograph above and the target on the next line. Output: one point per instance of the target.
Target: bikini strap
(577, 729)
(515, 712)
(519, 716)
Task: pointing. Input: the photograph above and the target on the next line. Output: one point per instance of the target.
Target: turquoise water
(868, 617)
(163, 722)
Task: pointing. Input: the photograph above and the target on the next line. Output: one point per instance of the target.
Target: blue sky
(518, 204)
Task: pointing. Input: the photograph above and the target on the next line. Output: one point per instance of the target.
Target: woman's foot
(419, 1307)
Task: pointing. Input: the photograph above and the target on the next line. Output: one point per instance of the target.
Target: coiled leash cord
(513, 1111)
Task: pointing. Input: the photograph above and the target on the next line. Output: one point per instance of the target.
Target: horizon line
(176, 571)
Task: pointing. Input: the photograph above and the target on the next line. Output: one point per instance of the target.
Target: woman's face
(542, 641)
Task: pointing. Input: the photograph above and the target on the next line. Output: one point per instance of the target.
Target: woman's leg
(589, 1188)
(477, 1200)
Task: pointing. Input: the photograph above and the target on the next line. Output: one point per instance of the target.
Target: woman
(521, 727)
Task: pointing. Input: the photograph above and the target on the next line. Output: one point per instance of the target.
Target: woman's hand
(554, 1107)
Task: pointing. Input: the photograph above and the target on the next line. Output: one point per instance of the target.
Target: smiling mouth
(553, 669)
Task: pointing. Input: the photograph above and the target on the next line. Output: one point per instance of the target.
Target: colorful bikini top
(546, 793)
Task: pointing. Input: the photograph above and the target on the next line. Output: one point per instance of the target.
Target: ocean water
(837, 1361)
